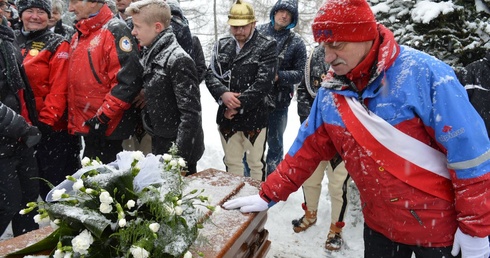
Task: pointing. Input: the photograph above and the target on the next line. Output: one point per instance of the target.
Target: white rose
(58, 254)
(138, 252)
(137, 155)
(105, 208)
(178, 210)
(188, 255)
(130, 204)
(78, 185)
(181, 162)
(154, 227)
(167, 157)
(82, 242)
(122, 223)
(57, 194)
(105, 197)
(173, 163)
(85, 161)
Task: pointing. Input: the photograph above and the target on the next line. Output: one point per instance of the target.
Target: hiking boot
(302, 224)
(334, 241)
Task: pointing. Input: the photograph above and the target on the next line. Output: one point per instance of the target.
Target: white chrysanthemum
(181, 162)
(178, 210)
(57, 194)
(188, 255)
(105, 197)
(139, 252)
(154, 227)
(85, 161)
(130, 204)
(122, 223)
(167, 157)
(82, 242)
(78, 185)
(137, 155)
(105, 208)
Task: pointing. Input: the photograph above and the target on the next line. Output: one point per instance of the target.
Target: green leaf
(48, 243)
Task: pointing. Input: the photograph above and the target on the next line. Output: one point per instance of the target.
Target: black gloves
(98, 125)
(45, 128)
(31, 137)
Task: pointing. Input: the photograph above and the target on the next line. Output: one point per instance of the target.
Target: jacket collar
(96, 22)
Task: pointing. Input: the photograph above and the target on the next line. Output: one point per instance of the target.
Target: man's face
(345, 56)
(34, 19)
(242, 33)
(4, 5)
(122, 5)
(282, 19)
(144, 32)
(55, 17)
(82, 9)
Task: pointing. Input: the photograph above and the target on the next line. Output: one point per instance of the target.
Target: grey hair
(57, 5)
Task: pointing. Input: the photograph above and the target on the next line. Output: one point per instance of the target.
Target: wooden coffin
(226, 233)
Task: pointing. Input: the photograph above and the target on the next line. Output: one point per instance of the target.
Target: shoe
(334, 241)
(302, 224)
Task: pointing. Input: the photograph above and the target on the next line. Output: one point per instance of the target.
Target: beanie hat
(22, 5)
(344, 21)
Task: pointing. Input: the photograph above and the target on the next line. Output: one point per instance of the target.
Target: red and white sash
(403, 156)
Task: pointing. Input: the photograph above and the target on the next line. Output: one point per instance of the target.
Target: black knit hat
(22, 5)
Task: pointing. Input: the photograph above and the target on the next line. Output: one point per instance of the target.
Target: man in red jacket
(103, 79)
(413, 144)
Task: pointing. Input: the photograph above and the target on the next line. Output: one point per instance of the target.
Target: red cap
(344, 21)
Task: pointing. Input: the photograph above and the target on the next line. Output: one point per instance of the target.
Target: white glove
(471, 247)
(251, 203)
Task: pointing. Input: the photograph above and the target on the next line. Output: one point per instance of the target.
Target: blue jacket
(420, 96)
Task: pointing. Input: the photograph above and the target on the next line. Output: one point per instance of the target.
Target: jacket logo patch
(62, 55)
(125, 44)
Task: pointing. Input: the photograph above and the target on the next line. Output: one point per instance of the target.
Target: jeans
(278, 120)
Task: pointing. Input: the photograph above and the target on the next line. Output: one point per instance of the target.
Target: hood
(291, 6)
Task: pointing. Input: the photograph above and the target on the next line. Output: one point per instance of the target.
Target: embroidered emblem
(447, 128)
(125, 44)
(62, 55)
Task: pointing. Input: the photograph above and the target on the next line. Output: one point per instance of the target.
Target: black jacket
(64, 30)
(173, 99)
(475, 77)
(291, 62)
(12, 82)
(197, 55)
(315, 70)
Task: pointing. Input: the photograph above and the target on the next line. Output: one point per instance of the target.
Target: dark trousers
(377, 245)
(278, 120)
(104, 149)
(58, 155)
(17, 189)
(161, 146)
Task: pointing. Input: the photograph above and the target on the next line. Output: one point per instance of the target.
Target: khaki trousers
(338, 185)
(236, 147)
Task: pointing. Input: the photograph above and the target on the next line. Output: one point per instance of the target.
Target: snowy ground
(285, 243)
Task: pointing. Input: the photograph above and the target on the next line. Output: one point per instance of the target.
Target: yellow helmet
(241, 14)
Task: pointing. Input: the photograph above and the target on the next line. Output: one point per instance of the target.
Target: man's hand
(252, 203)
(230, 113)
(471, 247)
(230, 99)
(139, 100)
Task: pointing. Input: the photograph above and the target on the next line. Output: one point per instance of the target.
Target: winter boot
(334, 238)
(303, 223)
